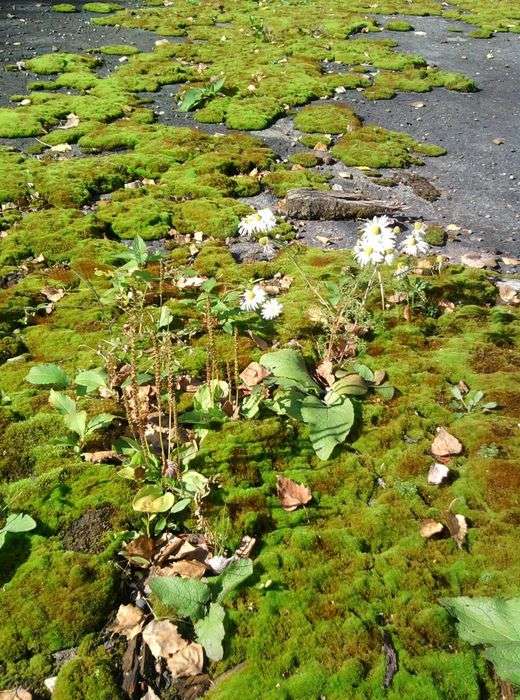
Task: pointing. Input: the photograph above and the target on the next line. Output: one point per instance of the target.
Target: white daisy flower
(414, 244)
(253, 298)
(378, 226)
(260, 221)
(271, 309)
(366, 253)
(419, 228)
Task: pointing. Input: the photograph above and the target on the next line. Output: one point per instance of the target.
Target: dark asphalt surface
(479, 180)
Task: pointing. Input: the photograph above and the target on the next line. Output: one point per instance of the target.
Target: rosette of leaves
(330, 414)
(200, 601)
(196, 97)
(493, 623)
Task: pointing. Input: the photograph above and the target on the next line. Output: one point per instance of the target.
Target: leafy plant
(493, 623)
(195, 97)
(76, 420)
(471, 400)
(16, 522)
(201, 601)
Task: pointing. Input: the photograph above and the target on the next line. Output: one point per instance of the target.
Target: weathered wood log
(315, 205)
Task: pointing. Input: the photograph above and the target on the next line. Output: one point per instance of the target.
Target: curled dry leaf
(185, 568)
(245, 547)
(379, 377)
(128, 622)
(291, 494)
(430, 527)
(140, 551)
(253, 374)
(438, 473)
(193, 282)
(61, 148)
(324, 370)
(463, 387)
(445, 444)
(458, 527)
(52, 293)
(183, 658)
(71, 123)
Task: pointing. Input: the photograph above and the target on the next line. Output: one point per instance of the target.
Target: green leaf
(91, 379)
(191, 99)
(139, 250)
(165, 318)
(48, 374)
(187, 596)
(194, 482)
(181, 505)
(233, 575)
(19, 522)
(152, 499)
(351, 385)
(62, 403)
(288, 366)
(76, 422)
(210, 632)
(99, 421)
(494, 622)
(457, 393)
(2, 538)
(329, 425)
(364, 371)
(386, 391)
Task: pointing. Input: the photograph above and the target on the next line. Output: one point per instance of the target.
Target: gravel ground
(479, 179)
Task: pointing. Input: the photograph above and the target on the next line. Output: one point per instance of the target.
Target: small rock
(498, 142)
(478, 260)
(50, 683)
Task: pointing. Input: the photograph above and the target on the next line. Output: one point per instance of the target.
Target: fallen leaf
(253, 374)
(430, 527)
(407, 312)
(50, 683)
(457, 526)
(128, 622)
(191, 282)
(183, 658)
(445, 444)
(72, 121)
(186, 568)
(61, 148)
(291, 494)
(52, 293)
(478, 260)
(509, 291)
(140, 551)
(498, 141)
(437, 473)
(324, 370)
(323, 239)
(15, 694)
(397, 298)
(379, 377)
(448, 306)
(463, 387)
(101, 456)
(244, 548)
(320, 146)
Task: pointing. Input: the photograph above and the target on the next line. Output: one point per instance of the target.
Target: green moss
(119, 50)
(328, 119)
(436, 235)
(280, 181)
(60, 62)
(398, 25)
(64, 7)
(305, 158)
(89, 676)
(375, 147)
(101, 7)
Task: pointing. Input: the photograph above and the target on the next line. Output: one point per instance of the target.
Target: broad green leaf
(91, 379)
(217, 85)
(494, 622)
(165, 318)
(287, 402)
(457, 393)
(139, 250)
(288, 365)
(152, 499)
(364, 371)
(19, 522)
(191, 99)
(181, 505)
(102, 420)
(386, 391)
(62, 403)
(187, 596)
(48, 374)
(210, 632)
(194, 482)
(328, 425)
(351, 385)
(2, 538)
(76, 422)
(233, 575)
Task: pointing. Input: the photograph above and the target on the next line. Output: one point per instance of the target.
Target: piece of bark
(315, 205)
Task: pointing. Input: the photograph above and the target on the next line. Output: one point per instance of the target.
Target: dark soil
(86, 533)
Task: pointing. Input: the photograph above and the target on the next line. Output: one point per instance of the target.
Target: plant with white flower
(271, 309)
(268, 248)
(261, 221)
(376, 246)
(414, 243)
(253, 298)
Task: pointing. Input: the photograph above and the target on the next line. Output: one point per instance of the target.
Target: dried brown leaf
(142, 547)
(245, 547)
(445, 444)
(457, 526)
(463, 387)
(71, 123)
(291, 494)
(379, 376)
(52, 293)
(129, 621)
(430, 527)
(438, 473)
(101, 456)
(324, 370)
(186, 568)
(253, 374)
(183, 658)
(15, 694)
